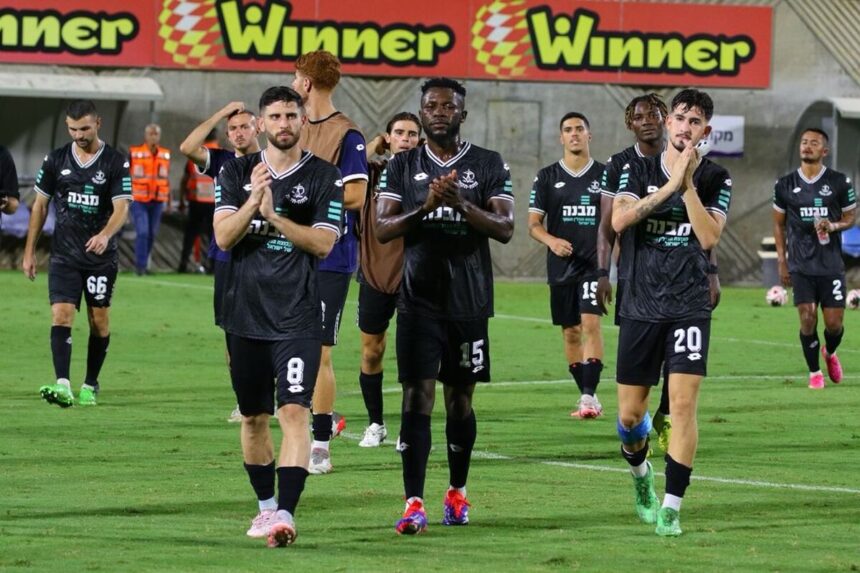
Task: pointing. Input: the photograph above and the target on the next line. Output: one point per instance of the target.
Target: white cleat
(587, 407)
(320, 462)
(283, 530)
(235, 416)
(261, 524)
(374, 435)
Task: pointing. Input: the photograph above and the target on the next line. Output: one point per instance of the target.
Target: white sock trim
(672, 501)
(270, 504)
(321, 445)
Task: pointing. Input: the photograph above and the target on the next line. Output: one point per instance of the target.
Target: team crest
(594, 187)
(467, 181)
(825, 191)
(99, 178)
(298, 194)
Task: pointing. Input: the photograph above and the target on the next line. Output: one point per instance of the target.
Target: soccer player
(811, 205)
(150, 167)
(379, 274)
(331, 135)
(673, 207)
(278, 211)
(446, 199)
(242, 135)
(566, 198)
(644, 116)
(90, 184)
(9, 196)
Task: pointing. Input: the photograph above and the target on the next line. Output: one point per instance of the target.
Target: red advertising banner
(620, 41)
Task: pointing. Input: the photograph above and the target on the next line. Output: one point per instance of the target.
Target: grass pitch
(152, 478)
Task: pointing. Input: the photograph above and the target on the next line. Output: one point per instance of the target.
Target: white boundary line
(595, 468)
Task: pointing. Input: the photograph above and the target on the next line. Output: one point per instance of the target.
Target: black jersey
(570, 204)
(270, 287)
(825, 196)
(8, 175)
(609, 187)
(83, 195)
(447, 270)
(668, 268)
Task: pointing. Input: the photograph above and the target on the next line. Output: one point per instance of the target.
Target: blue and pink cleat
(414, 520)
(456, 508)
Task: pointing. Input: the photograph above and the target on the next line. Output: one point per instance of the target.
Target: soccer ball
(853, 299)
(776, 296)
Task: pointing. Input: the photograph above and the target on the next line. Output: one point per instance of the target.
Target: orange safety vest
(199, 187)
(149, 174)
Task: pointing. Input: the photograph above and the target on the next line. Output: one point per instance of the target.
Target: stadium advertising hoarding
(597, 41)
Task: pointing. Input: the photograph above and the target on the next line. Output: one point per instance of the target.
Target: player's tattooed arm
(627, 211)
(231, 226)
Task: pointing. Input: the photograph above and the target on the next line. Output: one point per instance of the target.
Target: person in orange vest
(150, 164)
(199, 190)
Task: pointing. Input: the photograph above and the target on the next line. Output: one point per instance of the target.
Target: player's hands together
(28, 265)
(97, 244)
(450, 189)
(693, 164)
(435, 195)
(560, 247)
(231, 108)
(823, 226)
(784, 275)
(261, 180)
(679, 170)
(604, 294)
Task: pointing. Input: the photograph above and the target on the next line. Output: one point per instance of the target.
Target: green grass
(152, 480)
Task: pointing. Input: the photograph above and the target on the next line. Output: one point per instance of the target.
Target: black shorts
(375, 309)
(220, 275)
(66, 283)
(643, 347)
(262, 369)
(333, 289)
(455, 353)
(827, 292)
(569, 302)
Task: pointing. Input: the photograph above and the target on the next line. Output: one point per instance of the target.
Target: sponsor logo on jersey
(338, 183)
(506, 167)
(796, 190)
(594, 187)
(420, 177)
(559, 185)
(578, 211)
(83, 199)
(728, 182)
(468, 181)
(653, 189)
(825, 191)
(359, 147)
(99, 178)
(693, 356)
(298, 194)
(65, 172)
(247, 187)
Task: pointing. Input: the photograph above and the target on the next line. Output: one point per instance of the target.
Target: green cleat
(668, 522)
(647, 502)
(58, 394)
(87, 396)
(663, 427)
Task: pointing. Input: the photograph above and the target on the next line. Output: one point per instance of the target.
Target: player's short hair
(446, 83)
(245, 111)
(574, 115)
(280, 93)
(322, 67)
(403, 116)
(651, 99)
(817, 130)
(81, 107)
(690, 98)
